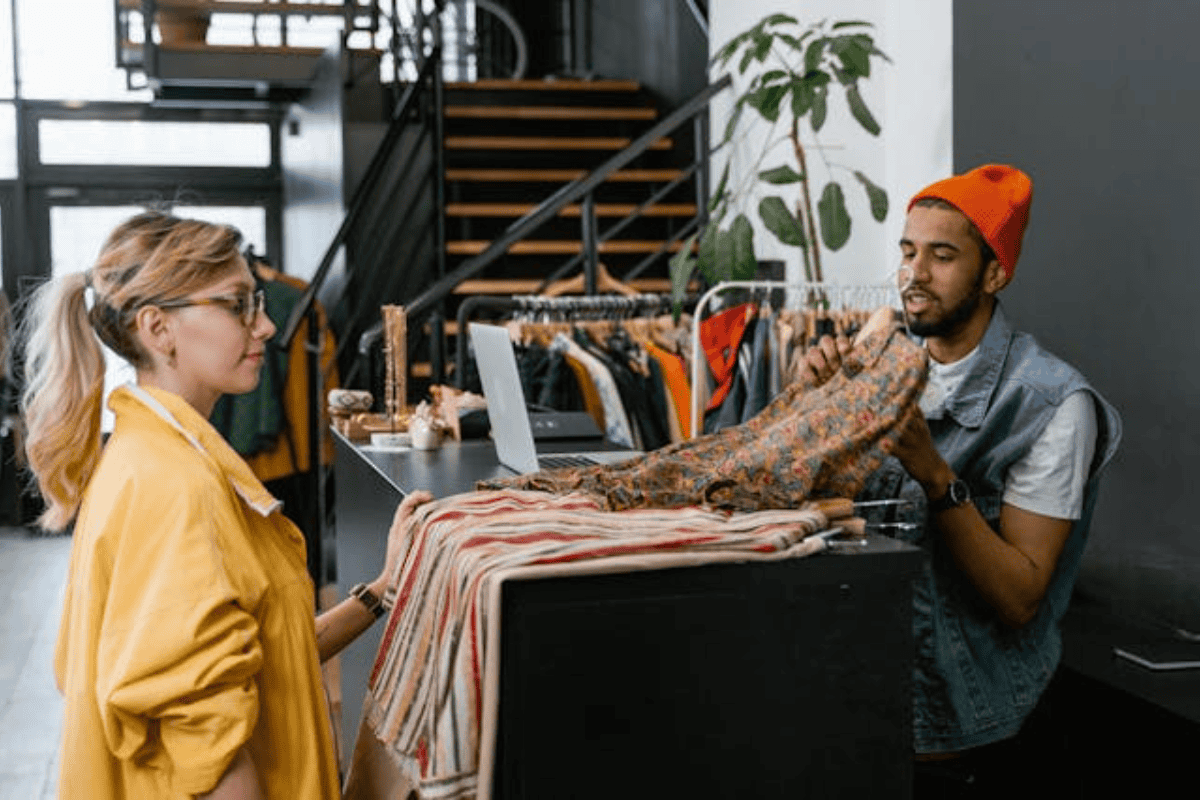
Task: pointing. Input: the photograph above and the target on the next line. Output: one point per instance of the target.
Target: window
(145, 142)
(67, 51)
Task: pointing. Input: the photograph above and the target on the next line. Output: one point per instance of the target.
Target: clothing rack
(558, 308)
(829, 296)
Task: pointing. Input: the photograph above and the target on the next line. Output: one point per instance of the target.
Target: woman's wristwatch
(372, 601)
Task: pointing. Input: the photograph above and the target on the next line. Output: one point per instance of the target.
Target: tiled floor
(33, 570)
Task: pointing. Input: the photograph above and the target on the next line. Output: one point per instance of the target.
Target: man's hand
(395, 544)
(918, 455)
(822, 361)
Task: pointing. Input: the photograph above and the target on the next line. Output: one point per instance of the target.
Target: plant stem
(807, 213)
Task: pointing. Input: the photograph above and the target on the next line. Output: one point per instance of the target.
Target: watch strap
(957, 493)
(364, 595)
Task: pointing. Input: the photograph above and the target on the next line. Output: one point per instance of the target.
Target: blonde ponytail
(149, 258)
(64, 369)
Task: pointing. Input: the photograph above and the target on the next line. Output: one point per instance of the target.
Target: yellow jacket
(187, 629)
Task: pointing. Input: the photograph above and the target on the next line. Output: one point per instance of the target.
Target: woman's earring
(171, 358)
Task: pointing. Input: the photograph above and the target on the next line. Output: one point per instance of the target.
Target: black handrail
(552, 205)
(430, 70)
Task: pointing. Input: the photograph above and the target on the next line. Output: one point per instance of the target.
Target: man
(1000, 470)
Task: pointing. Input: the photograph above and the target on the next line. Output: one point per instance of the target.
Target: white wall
(910, 97)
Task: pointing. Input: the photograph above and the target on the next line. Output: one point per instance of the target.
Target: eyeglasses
(246, 306)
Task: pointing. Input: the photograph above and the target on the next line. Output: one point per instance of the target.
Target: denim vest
(975, 679)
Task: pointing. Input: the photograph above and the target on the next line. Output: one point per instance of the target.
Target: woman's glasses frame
(246, 306)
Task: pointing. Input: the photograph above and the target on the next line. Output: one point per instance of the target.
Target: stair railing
(582, 189)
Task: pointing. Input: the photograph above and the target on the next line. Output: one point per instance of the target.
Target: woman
(187, 654)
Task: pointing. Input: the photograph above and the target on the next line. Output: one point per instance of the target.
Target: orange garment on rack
(675, 376)
(721, 336)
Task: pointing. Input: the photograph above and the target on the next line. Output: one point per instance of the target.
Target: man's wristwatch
(369, 599)
(956, 494)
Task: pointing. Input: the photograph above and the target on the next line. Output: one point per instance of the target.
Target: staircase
(509, 145)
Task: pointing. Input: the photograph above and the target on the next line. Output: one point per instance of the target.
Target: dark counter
(779, 679)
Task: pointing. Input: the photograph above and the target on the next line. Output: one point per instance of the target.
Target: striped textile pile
(433, 693)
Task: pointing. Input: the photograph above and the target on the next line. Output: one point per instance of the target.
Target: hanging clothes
(809, 442)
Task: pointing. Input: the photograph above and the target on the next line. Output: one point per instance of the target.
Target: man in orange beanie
(1000, 472)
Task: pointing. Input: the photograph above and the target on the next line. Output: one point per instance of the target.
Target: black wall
(1099, 102)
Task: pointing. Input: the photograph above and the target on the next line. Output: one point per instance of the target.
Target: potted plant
(800, 67)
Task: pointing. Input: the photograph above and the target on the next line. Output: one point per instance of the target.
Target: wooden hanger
(605, 283)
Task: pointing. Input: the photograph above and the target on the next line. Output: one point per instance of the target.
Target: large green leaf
(767, 100)
(743, 264)
(681, 266)
(794, 42)
(734, 117)
(706, 255)
(781, 175)
(860, 111)
(814, 53)
(779, 221)
(802, 97)
(729, 48)
(855, 54)
(780, 19)
(835, 220)
(747, 57)
(719, 193)
(762, 46)
(849, 23)
(876, 196)
(819, 108)
(735, 252)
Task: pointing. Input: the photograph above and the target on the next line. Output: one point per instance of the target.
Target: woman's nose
(264, 328)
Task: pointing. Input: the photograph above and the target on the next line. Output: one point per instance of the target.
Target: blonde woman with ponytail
(188, 654)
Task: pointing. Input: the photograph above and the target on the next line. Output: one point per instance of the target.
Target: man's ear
(154, 330)
(995, 277)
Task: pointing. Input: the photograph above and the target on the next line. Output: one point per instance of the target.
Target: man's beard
(954, 319)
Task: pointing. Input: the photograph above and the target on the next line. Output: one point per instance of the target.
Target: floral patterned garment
(807, 443)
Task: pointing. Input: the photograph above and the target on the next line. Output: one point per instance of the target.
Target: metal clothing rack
(556, 309)
(829, 295)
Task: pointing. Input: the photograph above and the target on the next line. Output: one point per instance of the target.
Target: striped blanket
(433, 695)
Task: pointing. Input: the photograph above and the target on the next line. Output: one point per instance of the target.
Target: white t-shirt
(1050, 478)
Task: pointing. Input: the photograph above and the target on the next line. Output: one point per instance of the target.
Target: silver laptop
(511, 430)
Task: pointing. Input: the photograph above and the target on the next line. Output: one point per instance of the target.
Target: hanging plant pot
(179, 25)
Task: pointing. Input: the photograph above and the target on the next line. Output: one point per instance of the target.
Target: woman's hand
(396, 538)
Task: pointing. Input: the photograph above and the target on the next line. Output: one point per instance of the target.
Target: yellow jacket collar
(177, 413)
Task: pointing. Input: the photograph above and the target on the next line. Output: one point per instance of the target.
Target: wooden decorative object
(395, 353)
(180, 23)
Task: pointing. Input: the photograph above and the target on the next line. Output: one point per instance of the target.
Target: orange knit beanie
(996, 198)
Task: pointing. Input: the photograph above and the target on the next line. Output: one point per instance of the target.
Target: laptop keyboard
(558, 462)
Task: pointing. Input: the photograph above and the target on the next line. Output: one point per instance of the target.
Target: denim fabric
(975, 679)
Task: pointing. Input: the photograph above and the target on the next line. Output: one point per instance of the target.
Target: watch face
(959, 492)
